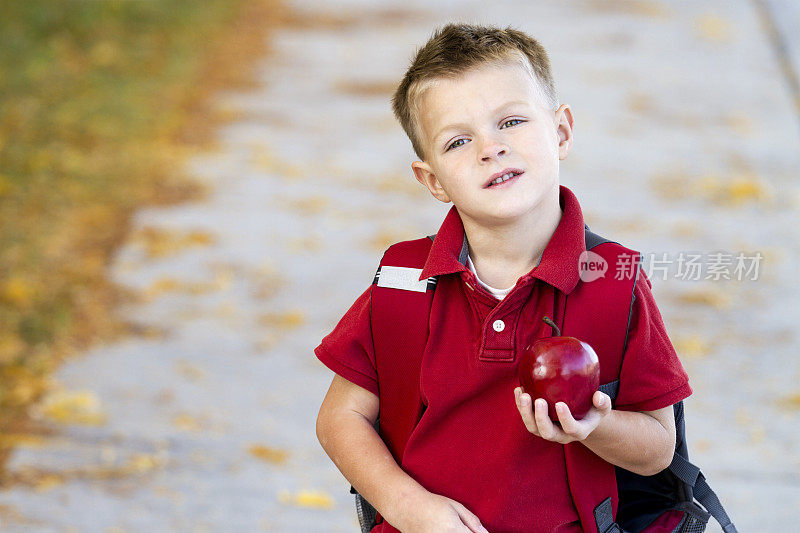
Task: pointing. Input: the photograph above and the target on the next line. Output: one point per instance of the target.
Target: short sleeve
(348, 349)
(652, 376)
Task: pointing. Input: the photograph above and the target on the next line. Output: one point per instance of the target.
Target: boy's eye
(455, 144)
(514, 120)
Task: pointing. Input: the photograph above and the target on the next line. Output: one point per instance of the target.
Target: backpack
(662, 503)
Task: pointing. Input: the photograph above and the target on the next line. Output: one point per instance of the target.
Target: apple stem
(552, 324)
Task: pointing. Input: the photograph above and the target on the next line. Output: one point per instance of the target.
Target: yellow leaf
(16, 291)
(314, 499)
(692, 346)
(47, 482)
(186, 422)
(790, 402)
(305, 244)
(160, 242)
(714, 28)
(143, 462)
(21, 440)
(269, 454)
(286, 320)
(715, 298)
(74, 407)
(311, 205)
(163, 285)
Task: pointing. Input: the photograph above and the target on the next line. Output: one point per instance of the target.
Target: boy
(480, 107)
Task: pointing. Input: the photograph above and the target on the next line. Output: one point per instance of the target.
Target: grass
(100, 102)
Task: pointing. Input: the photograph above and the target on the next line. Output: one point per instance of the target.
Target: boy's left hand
(538, 422)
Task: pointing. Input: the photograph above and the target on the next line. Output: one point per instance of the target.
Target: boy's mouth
(502, 176)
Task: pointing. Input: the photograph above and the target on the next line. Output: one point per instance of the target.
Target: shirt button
(499, 325)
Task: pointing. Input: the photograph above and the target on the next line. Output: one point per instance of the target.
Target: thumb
(469, 519)
(602, 401)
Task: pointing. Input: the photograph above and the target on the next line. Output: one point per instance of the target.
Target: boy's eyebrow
(463, 125)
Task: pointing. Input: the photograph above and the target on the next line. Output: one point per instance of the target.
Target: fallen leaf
(27, 440)
(286, 320)
(645, 8)
(384, 237)
(790, 402)
(269, 454)
(48, 482)
(159, 242)
(17, 291)
(143, 462)
(73, 407)
(691, 346)
(714, 28)
(186, 422)
(710, 297)
(311, 205)
(305, 244)
(189, 371)
(314, 499)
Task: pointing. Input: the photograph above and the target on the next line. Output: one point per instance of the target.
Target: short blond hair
(455, 48)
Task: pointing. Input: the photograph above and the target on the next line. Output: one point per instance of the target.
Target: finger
(469, 519)
(526, 412)
(602, 401)
(546, 428)
(568, 423)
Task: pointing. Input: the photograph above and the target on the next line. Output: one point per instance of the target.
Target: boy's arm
(345, 431)
(642, 442)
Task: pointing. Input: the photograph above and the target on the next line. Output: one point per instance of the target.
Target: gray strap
(593, 239)
(711, 502)
(611, 389)
(690, 474)
(604, 517)
(686, 471)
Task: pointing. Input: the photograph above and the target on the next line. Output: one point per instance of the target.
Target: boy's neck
(503, 254)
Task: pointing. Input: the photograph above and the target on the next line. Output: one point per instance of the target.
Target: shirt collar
(559, 264)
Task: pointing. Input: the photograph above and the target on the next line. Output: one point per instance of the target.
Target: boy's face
(489, 120)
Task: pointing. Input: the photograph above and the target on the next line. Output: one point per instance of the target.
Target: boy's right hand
(439, 514)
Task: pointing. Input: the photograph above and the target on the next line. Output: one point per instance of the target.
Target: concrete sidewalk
(686, 140)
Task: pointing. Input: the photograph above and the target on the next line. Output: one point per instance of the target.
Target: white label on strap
(403, 278)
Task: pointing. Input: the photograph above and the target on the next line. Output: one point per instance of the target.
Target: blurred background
(193, 193)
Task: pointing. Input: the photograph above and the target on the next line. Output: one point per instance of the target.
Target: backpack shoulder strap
(597, 311)
(399, 318)
(400, 307)
(694, 484)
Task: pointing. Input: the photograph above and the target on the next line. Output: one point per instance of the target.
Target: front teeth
(503, 178)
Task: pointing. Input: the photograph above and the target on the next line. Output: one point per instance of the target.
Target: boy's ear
(564, 122)
(424, 174)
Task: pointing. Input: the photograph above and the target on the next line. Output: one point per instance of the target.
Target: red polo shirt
(471, 444)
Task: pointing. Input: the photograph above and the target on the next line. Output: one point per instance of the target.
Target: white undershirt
(497, 293)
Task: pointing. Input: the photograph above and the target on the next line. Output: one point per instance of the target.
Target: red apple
(560, 369)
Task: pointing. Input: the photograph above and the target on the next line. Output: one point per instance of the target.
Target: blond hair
(455, 48)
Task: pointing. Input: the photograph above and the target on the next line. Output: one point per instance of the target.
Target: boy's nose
(493, 149)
